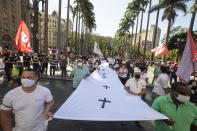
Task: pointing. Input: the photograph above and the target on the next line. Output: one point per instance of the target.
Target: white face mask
(182, 98)
(80, 64)
(27, 82)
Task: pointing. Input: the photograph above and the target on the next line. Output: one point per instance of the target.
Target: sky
(108, 14)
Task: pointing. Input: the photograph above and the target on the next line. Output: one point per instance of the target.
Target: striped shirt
(53, 62)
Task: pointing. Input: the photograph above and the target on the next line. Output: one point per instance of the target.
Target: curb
(56, 79)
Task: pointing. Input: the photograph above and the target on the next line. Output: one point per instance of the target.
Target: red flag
(22, 40)
(160, 50)
(193, 47)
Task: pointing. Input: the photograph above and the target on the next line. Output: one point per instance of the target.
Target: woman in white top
(123, 73)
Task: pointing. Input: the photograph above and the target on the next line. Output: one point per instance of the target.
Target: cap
(137, 70)
(79, 60)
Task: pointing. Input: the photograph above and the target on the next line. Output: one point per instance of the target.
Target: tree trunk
(46, 28)
(147, 31)
(122, 47)
(59, 26)
(35, 26)
(131, 48)
(193, 18)
(82, 37)
(167, 36)
(78, 41)
(155, 35)
(71, 45)
(136, 33)
(138, 50)
(67, 29)
(76, 31)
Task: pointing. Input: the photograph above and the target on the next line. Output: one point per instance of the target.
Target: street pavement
(61, 90)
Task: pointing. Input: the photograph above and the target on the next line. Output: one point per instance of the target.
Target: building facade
(11, 13)
(150, 38)
(53, 31)
(10, 16)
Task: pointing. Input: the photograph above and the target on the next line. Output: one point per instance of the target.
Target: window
(6, 26)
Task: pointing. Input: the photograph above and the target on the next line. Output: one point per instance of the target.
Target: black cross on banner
(104, 77)
(104, 101)
(106, 87)
(104, 74)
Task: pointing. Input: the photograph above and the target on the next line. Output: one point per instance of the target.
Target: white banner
(102, 97)
(97, 49)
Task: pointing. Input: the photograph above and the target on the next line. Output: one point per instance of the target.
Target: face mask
(80, 64)
(182, 98)
(27, 82)
(137, 76)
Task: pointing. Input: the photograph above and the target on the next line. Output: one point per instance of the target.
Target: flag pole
(194, 70)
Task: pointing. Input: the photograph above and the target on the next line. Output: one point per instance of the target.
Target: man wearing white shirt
(30, 103)
(136, 86)
(161, 84)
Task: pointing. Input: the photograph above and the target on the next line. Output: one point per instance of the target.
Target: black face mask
(137, 76)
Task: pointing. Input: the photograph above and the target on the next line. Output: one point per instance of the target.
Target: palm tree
(46, 28)
(78, 35)
(143, 5)
(133, 13)
(76, 30)
(155, 35)
(59, 26)
(170, 7)
(86, 9)
(129, 22)
(193, 10)
(67, 28)
(35, 26)
(147, 31)
(73, 11)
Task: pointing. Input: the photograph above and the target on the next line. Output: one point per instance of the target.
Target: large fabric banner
(102, 97)
(186, 66)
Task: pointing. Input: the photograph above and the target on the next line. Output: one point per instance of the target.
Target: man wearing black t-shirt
(8, 61)
(45, 64)
(36, 64)
(26, 60)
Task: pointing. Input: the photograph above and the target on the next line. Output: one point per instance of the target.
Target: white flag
(97, 49)
(102, 97)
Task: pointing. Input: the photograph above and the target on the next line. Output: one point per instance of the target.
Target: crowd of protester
(170, 97)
